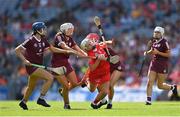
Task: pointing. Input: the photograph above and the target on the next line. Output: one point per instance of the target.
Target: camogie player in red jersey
(99, 70)
(31, 51)
(64, 40)
(158, 68)
(116, 70)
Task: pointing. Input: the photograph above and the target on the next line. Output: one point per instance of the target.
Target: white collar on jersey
(36, 38)
(159, 40)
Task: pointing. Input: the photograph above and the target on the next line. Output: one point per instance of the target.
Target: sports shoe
(60, 91)
(102, 103)
(148, 103)
(94, 106)
(42, 102)
(109, 106)
(175, 93)
(83, 85)
(23, 105)
(67, 106)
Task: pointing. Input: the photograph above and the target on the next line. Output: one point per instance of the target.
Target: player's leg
(103, 91)
(114, 78)
(72, 79)
(85, 78)
(48, 77)
(162, 85)
(64, 91)
(92, 86)
(31, 85)
(152, 77)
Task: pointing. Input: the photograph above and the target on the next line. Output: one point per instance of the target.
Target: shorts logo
(119, 68)
(70, 44)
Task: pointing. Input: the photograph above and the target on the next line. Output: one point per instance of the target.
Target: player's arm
(149, 47)
(64, 46)
(164, 54)
(58, 50)
(149, 51)
(110, 42)
(19, 52)
(167, 53)
(95, 65)
(76, 47)
(97, 61)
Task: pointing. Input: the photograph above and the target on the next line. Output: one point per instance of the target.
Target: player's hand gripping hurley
(112, 59)
(98, 24)
(145, 56)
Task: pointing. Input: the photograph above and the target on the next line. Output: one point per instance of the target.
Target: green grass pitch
(11, 108)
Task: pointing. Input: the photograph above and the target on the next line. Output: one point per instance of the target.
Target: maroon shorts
(101, 79)
(30, 69)
(65, 64)
(118, 66)
(159, 67)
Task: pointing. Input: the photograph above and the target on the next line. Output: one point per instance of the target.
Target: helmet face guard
(160, 30)
(64, 27)
(38, 27)
(87, 44)
(94, 37)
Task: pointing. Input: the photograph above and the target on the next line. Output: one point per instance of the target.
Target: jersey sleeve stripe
(167, 45)
(22, 46)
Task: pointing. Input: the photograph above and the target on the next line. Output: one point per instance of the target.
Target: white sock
(103, 100)
(23, 101)
(41, 96)
(173, 87)
(109, 101)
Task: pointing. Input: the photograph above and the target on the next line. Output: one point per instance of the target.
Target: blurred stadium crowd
(129, 22)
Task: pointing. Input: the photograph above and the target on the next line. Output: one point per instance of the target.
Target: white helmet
(64, 27)
(84, 44)
(159, 29)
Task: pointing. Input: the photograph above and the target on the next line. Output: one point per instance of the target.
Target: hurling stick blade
(97, 21)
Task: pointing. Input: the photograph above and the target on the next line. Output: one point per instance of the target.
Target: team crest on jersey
(35, 45)
(157, 45)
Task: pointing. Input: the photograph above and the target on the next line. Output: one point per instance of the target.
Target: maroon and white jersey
(162, 46)
(59, 58)
(34, 49)
(159, 63)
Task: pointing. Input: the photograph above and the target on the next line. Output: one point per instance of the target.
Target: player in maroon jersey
(63, 40)
(158, 68)
(116, 70)
(31, 51)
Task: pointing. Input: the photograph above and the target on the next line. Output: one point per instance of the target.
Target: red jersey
(59, 58)
(103, 67)
(34, 49)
